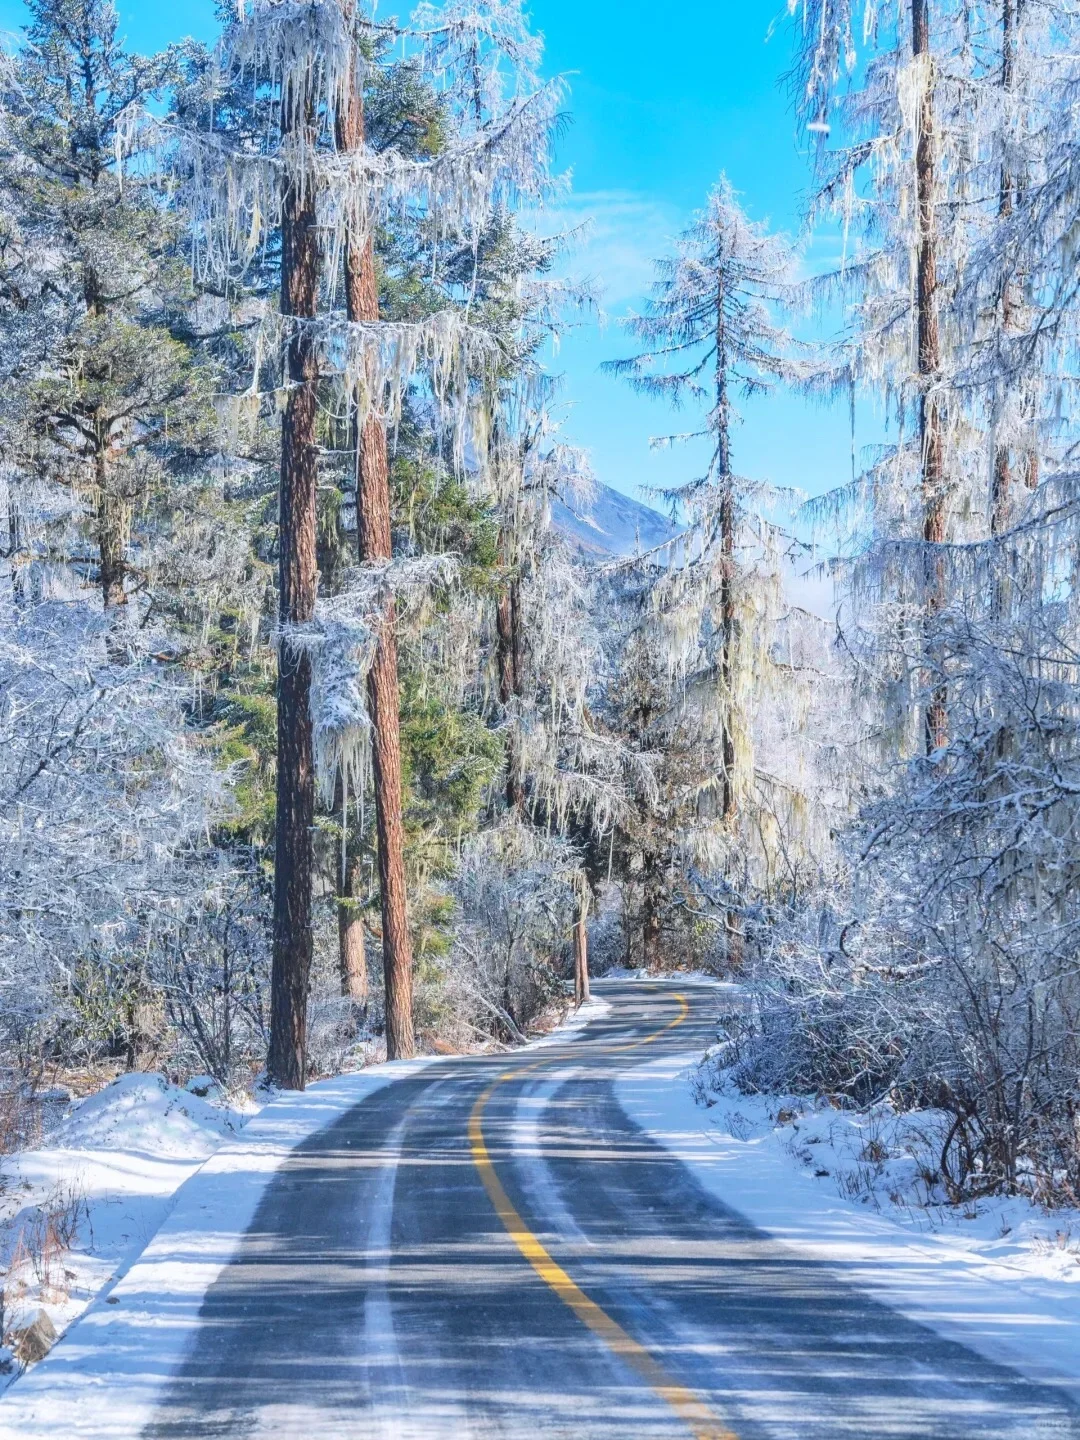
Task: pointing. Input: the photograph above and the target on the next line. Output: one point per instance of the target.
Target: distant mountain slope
(612, 524)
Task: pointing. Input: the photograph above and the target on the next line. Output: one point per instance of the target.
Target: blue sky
(661, 102)
(660, 107)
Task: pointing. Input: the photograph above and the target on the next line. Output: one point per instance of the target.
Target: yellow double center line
(702, 1422)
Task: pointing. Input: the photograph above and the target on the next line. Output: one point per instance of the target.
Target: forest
(323, 738)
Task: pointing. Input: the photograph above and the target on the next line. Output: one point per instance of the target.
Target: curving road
(489, 1248)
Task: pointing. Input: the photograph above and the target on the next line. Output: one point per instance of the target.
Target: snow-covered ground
(148, 1244)
(1002, 1276)
(75, 1212)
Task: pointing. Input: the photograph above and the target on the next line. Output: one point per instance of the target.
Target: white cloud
(622, 234)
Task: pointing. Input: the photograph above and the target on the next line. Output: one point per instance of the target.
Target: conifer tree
(708, 333)
(93, 265)
(323, 189)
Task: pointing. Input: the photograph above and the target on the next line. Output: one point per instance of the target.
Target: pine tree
(93, 268)
(324, 191)
(708, 333)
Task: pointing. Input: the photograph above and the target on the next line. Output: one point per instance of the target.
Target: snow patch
(147, 1115)
(76, 1211)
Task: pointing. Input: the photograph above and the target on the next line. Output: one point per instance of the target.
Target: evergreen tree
(708, 334)
(323, 193)
(96, 287)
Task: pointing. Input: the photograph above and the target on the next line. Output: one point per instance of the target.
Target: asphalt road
(489, 1248)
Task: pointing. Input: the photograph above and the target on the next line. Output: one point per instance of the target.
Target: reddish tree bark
(931, 420)
(373, 525)
(297, 584)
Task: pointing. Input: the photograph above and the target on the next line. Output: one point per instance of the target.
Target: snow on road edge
(1022, 1322)
(102, 1379)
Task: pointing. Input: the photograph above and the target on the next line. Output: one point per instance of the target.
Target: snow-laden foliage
(105, 809)
(478, 157)
(931, 960)
(515, 901)
(340, 643)
(699, 617)
(964, 938)
(869, 813)
(307, 58)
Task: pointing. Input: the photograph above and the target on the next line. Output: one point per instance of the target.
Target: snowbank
(1013, 1296)
(574, 1021)
(75, 1212)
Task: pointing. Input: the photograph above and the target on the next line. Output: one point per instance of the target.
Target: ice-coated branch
(340, 643)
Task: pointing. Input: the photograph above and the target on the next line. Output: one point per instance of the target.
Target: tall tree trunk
(508, 635)
(581, 947)
(931, 419)
(728, 616)
(297, 581)
(729, 623)
(509, 661)
(110, 523)
(110, 518)
(1001, 483)
(373, 526)
(650, 913)
(352, 956)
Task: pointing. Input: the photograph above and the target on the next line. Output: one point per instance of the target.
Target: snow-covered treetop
(487, 146)
(708, 328)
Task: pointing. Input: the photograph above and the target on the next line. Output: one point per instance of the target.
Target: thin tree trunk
(508, 657)
(352, 956)
(650, 915)
(110, 518)
(728, 617)
(297, 580)
(1001, 482)
(508, 645)
(581, 949)
(729, 622)
(931, 420)
(110, 521)
(373, 526)
(1000, 499)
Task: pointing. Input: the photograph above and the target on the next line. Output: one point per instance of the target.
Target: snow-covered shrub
(105, 806)
(343, 1033)
(515, 899)
(607, 931)
(943, 973)
(211, 966)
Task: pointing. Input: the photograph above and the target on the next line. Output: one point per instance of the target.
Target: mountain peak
(612, 524)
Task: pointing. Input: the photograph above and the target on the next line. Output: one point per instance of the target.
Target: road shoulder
(1029, 1325)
